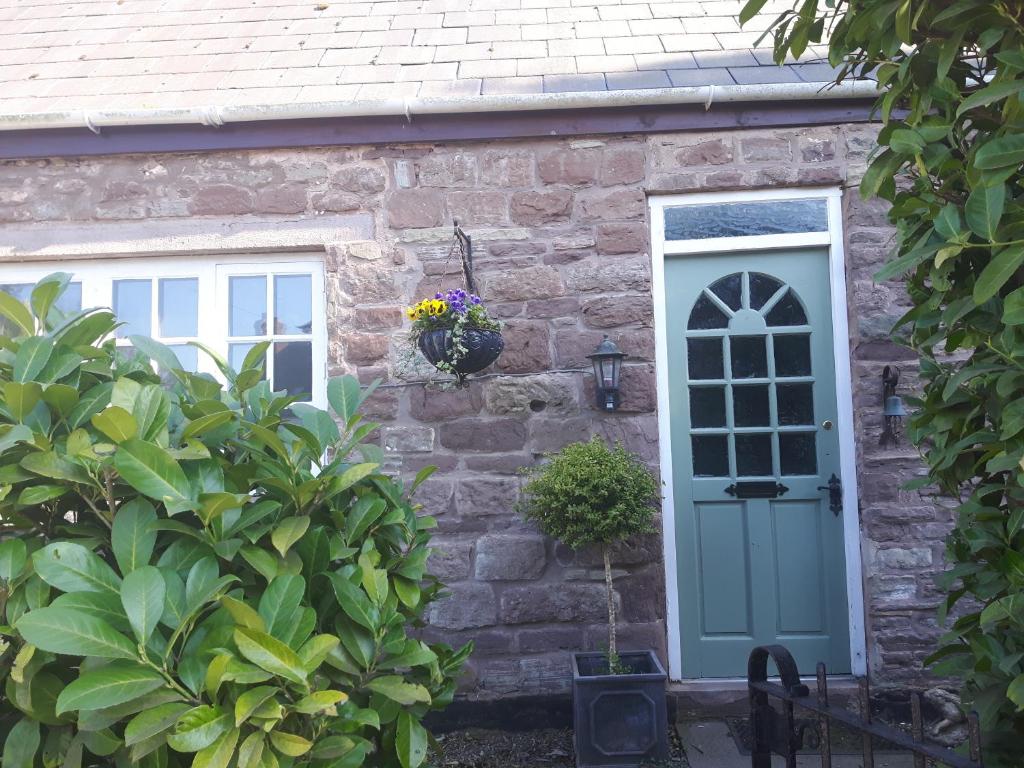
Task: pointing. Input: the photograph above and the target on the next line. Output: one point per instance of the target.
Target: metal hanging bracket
(465, 244)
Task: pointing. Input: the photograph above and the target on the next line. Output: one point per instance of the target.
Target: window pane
(704, 358)
(730, 290)
(237, 353)
(792, 355)
(796, 404)
(293, 304)
(750, 406)
(773, 217)
(753, 454)
(248, 298)
(179, 307)
(787, 311)
(705, 315)
(749, 358)
(133, 305)
(293, 367)
(710, 455)
(187, 355)
(797, 453)
(21, 291)
(71, 300)
(707, 406)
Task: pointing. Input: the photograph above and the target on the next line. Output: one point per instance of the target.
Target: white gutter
(95, 120)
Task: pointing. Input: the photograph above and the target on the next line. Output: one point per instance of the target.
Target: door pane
(749, 358)
(293, 367)
(750, 406)
(704, 358)
(293, 304)
(762, 288)
(792, 355)
(710, 455)
(797, 454)
(730, 290)
(133, 305)
(774, 217)
(248, 298)
(707, 406)
(796, 404)
(179, 307)
(787, 311)
(706, 315)
(754, 454)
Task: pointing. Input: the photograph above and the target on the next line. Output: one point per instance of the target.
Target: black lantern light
(893, 411)
(607, 360)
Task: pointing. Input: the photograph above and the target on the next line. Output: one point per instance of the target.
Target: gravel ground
(548, 748)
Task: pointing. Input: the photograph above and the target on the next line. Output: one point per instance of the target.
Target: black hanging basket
(482, 349)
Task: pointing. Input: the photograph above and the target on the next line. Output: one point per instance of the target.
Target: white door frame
(833, 240)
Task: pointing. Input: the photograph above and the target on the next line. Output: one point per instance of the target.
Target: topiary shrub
(199, 574)
(590, 494)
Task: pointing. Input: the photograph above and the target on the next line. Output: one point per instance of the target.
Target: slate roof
(63, 55)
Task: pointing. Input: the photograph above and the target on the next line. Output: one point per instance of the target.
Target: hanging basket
(482, 349)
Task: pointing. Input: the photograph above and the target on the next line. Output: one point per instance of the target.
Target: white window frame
(213, 273)
(832, 239)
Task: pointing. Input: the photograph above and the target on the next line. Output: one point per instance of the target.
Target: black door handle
(835, 494)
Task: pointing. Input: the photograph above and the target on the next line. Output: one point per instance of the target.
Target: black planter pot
(482, 349)
(619, 720)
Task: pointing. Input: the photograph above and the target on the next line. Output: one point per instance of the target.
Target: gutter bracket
(710, 98)
(211, 117)
(87, 119)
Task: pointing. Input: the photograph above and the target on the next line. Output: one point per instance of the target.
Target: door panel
(751, 371)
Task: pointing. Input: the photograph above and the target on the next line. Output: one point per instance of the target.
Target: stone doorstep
(727, 697)
(708, 744)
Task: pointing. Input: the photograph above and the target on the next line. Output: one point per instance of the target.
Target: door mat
(844, 741)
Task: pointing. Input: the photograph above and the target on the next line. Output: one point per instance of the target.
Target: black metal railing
(782, 733)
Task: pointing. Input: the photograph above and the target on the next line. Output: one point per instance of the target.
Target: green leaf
(396, 689)
(101, 605)
(984, 209)
(990, 93)
(21, 398)
(159, 353)
(150, 470)
(218, 754)
(290, 744)
(17, 313)
(109, 686)
(74, 633)
(32, 357)
(153, 722)
(205, 424)
(345, 396)
(46, 293)
(133, 536)
(251, 751)
(199, 728)
(279, 601)
(13, 556)
(1000, 153)
(750, 10)
(410, 741)
(116, 423)
(288, 531)
(243, 615)
(270, 654)
(252, 700)
(41, 493)
(353, 601)
(1013, 308)
(997, 272)
(92, 401)
(906, 141)
(320, 702)
(72, 568)
(315, 650)
(142, 594)
(23, 740)
(1014, 693)
(49, 464)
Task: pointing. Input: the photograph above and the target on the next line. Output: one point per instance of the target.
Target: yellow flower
(412, 313)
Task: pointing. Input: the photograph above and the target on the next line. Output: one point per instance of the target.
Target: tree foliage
(194, 574)
(951, 75)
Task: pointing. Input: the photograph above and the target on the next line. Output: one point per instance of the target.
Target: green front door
(753, 410)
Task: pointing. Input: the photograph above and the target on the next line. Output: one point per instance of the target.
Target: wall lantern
(607, 360)
(893, 411)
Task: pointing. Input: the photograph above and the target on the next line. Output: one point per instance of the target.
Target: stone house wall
(560, 228)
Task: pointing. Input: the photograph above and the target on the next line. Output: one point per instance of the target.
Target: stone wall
(560, 228)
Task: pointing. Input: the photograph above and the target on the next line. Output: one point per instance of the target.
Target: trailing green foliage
(588, 493)
(949, 160)
(199, 575)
